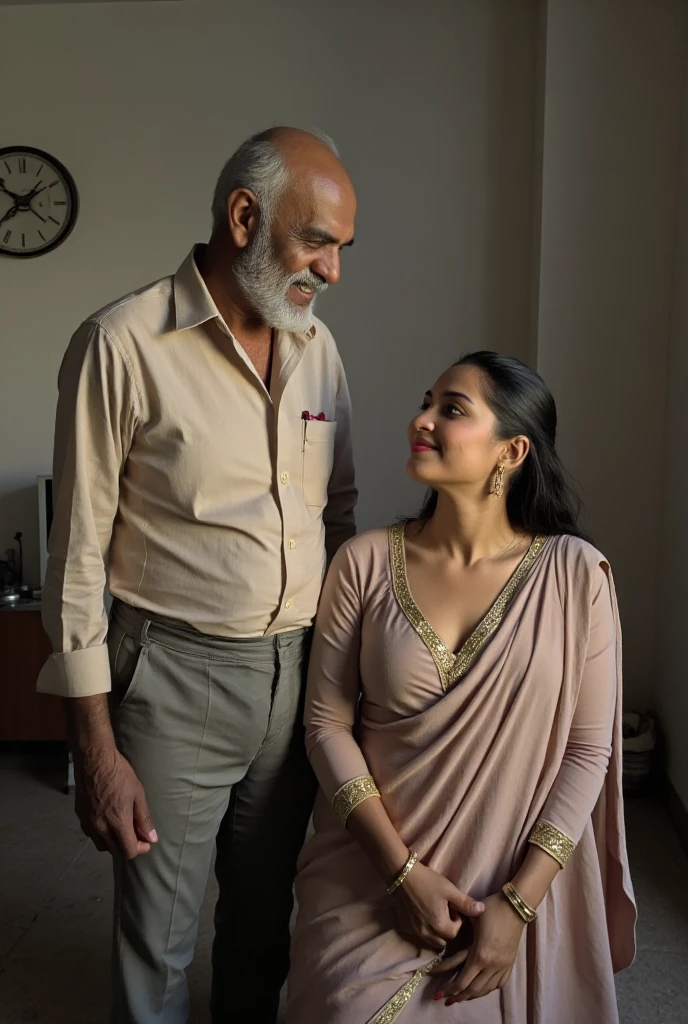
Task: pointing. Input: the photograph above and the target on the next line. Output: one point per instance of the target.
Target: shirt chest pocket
(317, 460)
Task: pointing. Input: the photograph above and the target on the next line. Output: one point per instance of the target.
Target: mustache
(308, 280)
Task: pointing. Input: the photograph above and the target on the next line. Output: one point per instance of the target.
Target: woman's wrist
(402, 875)
(534, 877)
(520, 907)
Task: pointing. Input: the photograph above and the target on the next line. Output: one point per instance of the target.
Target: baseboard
(677, 812)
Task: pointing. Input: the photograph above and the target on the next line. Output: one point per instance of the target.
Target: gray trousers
(213, 729)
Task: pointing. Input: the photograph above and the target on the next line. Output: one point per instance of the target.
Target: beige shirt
(183, 484)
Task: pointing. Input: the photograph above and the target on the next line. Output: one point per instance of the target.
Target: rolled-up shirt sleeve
(97, 413)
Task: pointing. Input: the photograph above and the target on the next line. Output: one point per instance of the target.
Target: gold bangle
(404, 873)
(351, 794)
(554, 842)
(525, 912)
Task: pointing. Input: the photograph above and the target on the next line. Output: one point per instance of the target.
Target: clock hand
(10, 213)
(34, 192)
(25, 203)
(7, 191)
(30, 209)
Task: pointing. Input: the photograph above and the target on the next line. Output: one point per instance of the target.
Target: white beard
(265, 284)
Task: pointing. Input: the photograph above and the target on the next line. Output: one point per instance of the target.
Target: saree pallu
(469, 751)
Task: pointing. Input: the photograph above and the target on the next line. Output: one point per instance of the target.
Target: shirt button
(284, 478)
(287, 605)
(292, 544)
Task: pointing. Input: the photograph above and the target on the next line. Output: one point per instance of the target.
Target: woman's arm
(567, 809)
(423, 901)
(578, 784)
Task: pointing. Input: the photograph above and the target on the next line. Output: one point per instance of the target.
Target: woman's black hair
(539, 498)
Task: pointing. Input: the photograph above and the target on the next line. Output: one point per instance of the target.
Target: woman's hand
(428, 908)
(490, 959)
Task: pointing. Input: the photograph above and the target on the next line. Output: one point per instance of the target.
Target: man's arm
(338, 517)
(96, 417)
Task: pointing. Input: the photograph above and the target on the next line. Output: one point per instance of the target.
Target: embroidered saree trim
(452, 667)
(351, 794)
(552, 841)
(392, 1010)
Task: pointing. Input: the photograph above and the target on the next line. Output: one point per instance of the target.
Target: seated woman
(463, 717)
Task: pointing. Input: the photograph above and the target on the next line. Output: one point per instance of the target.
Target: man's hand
(428, 908)
(111, 805)
(110, 802)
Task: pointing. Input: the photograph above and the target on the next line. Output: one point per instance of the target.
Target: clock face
(38, 202)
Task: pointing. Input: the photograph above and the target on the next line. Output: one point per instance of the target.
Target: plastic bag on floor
(639, 740)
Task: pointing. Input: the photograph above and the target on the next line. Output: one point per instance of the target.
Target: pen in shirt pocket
(306, 416)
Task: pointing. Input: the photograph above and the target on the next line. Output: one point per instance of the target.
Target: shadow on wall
(19, 513)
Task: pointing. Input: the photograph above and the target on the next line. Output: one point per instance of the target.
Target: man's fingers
(98, 838)
(100, 844)
(143, 820)
(451, 963)
(127, 844)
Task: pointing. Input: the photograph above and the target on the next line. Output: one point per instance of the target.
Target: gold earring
(498, 485)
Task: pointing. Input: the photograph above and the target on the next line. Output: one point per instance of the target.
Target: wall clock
(38, 202)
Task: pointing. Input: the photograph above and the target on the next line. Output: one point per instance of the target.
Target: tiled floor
(55, 910)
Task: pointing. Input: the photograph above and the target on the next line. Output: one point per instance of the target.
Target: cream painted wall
(478, 133)
(611, 138)
(673, 590)
(432, 108)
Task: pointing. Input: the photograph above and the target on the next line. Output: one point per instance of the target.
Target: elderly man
(203, 470)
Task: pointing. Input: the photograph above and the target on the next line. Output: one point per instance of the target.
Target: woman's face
(452, 438)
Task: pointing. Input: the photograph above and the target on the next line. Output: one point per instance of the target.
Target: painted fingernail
(450, 1002)
(438, 995)
(153, 836)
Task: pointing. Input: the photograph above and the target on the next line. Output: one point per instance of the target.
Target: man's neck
(230, 302)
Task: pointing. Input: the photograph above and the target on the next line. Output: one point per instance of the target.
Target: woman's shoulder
(366, 546)
(362, 561)
(578, 553)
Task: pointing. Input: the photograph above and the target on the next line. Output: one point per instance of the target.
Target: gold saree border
(351, 794)
(452, 667)
(553, 841)
(392, 1010)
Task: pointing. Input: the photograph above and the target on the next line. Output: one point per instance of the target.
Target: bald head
(271, 161)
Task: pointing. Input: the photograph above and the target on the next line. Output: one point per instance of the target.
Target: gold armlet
(552, 841)
(351, 794)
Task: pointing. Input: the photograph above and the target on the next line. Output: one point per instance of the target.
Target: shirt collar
(193, 303)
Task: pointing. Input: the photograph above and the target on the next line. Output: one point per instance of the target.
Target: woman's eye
(423, 406)
(454, 410)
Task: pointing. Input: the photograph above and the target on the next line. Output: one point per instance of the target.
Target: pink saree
(469, 751)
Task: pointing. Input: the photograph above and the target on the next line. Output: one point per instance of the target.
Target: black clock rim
(73, 193)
